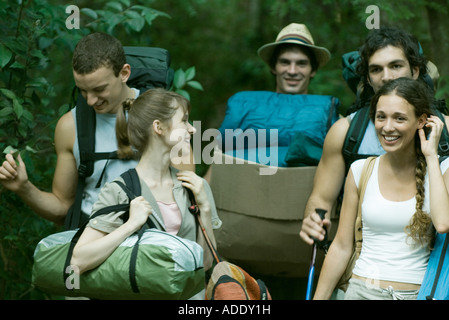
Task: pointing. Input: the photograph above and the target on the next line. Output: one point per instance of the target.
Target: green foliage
(182, 79)
(120, 13)
(34, 36)
(27, 121)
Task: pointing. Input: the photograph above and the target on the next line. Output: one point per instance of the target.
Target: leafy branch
(182, 79)
(132, 18)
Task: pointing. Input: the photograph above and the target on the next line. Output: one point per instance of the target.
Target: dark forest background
(212, 42)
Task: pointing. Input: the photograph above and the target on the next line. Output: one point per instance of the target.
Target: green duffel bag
(167, 267)
(151, 264)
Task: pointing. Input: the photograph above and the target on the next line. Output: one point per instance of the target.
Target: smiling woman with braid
(405, 200)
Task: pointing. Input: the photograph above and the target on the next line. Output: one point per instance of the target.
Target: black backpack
(150, 68)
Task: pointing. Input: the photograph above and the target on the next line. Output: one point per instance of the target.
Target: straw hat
(298, 34)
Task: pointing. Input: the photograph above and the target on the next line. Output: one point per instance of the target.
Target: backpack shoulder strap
(364, 177)
(133, 189)
(132, 183)
(355, 134)
(85, 128)
(130, 177)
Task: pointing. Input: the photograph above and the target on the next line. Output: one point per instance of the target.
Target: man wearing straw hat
(290, 111)
(294, 59)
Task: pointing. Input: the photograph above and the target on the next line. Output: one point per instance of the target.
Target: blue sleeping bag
(260, 125)
(435, 285)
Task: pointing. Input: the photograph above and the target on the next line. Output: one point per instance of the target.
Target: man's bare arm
(328, 181)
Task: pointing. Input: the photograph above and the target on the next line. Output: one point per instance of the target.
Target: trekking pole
(321, 213)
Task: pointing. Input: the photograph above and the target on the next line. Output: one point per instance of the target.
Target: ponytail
(136, 116)
(121, 128)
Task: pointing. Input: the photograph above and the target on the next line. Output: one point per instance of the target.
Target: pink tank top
(171, 215)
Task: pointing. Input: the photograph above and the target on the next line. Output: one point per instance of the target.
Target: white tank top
(387, 252)
(105, 142)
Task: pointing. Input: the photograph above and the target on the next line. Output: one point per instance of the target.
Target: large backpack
(150, 67)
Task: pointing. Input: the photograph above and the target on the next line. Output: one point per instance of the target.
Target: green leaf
(5, 56)
(137, 23)
(90, 13)
(196, 85)
(190, 73)
(127, 3)
(9, 149)
(27, 115)
(8, 93)
(22, 131)
(117, 6)
(18, 108)
(132, 14)
(63, 109)
(114, 20)
(37, 53)
(45, 42)
(179, 79)
(11, 237)
(28, 148)
(6, 111)
(17, 65)
(183, 93)
(150, 14)
(39, 82)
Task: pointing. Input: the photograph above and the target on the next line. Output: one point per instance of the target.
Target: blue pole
(310, 283)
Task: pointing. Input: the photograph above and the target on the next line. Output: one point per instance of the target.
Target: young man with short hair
(100, 72)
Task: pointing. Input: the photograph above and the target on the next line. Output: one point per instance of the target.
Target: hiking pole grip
(322, 213)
